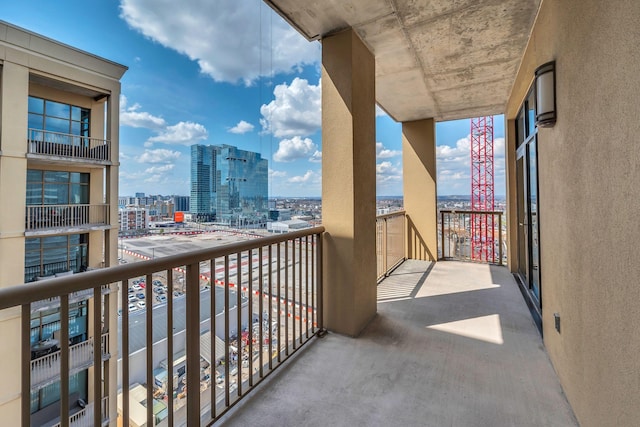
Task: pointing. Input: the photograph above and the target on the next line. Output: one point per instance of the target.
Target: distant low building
(132, 219)
(287, 226)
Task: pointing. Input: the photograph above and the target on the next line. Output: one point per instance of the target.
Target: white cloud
(160, 155)
(184, 133)
(223, 36)
(388, 172)
(242, 127)
(454, 166)
(383, 153)
(316, 157)
(277, 174)
(308, 177)
(132, 117)
(295, 111)
(160, 169)
(294, 148)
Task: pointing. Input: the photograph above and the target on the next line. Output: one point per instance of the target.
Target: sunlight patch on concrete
(453, 288)
(484, 328)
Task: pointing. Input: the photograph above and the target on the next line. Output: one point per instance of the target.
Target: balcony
(452, 342)
(55, 147)
(45, 369)
(46, 219)
(85, 416)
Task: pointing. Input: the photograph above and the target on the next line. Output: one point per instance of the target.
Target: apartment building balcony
(84, 417)
(452, 344)
(61, 148)
(53, 219)
(45, 365)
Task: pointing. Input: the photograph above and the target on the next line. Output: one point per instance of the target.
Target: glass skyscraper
(228, 184)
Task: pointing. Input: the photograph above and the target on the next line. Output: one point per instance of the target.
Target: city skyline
(255, 85)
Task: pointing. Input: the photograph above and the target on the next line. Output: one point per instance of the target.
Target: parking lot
(150, 247)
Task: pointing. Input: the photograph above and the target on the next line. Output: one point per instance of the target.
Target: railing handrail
(14, 296)
(66, 205)
(391, 214)
(465, 211)
(91, 138)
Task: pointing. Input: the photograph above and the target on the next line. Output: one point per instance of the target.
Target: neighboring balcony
(45, 365)
(61, 147)
(44, 219)
(84, 417)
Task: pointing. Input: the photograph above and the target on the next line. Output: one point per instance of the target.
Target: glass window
(58, 117)
(47, 256)
(520, 128)
(56, 176)
(34, 175)
(34, 193)
(36, 121)
(76, 113)
(53, 124)
(56, 194)
(79, 177)
(57, 187)
(57, 109)
(36, 105)
(531, 113)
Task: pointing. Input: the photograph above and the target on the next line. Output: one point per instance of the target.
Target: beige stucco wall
(589, 203)
(348, 183)
(420, 189)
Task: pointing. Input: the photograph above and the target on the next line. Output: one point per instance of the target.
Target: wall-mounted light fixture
(546, 94)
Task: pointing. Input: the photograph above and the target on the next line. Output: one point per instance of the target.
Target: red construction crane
(482, 225)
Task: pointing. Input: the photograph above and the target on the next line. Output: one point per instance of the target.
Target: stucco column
(348, 183)
(13, 171)
(420, 188)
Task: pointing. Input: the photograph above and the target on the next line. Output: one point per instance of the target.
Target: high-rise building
(228, 184)
(181, 203)
(58, 201)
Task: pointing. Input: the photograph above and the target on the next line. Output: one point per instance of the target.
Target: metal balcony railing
(390, 242)
(257, 317)
(54, 302)
(85, 416)
(56, 144)
(46, 369)
(41, 217)
(457, 241)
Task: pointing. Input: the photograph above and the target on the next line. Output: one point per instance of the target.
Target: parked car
(136, 287)
(141, 304)
(161, 298)
(132, 298)
(132, 307)
(140, 295)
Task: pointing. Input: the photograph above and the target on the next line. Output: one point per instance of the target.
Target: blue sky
(224, 72)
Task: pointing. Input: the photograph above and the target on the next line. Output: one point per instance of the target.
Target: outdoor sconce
(546, 94)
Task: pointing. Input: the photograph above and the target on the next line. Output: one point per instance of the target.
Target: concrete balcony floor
(453, 344)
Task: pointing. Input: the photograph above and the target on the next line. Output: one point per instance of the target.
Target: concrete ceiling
(446, 59)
